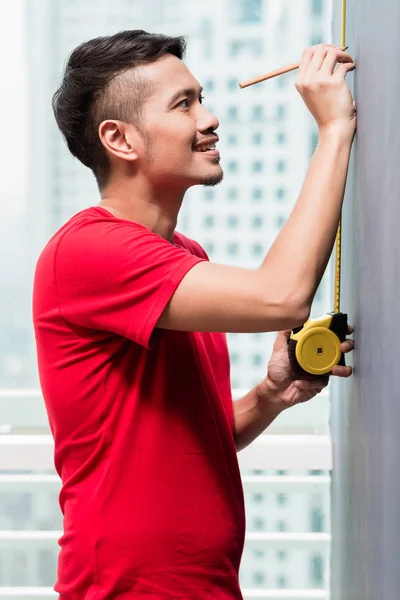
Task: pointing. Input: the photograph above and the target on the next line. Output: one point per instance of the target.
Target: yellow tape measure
(314, 348)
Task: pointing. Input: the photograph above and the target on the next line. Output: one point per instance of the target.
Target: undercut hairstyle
(100, 83)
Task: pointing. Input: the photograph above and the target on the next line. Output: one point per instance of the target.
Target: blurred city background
(267, 138)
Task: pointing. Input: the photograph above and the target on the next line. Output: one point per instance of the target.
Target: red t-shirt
(142, 419)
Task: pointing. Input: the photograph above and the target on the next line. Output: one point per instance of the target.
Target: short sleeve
(118, 276)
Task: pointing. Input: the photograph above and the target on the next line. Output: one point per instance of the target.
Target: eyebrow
(190, 92)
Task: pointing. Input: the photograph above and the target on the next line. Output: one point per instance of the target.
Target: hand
(324, 89)
(280, 385)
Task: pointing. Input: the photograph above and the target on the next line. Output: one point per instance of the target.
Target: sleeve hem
(167, 290)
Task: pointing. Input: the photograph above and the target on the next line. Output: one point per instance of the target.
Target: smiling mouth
(208, 151)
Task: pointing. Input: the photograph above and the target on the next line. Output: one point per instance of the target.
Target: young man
(129, 318)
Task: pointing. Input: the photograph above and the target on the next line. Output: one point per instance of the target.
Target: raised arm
(278, 295)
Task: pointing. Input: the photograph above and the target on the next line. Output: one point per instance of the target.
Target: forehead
(166, 76)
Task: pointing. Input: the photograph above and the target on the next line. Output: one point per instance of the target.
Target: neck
(154, 208)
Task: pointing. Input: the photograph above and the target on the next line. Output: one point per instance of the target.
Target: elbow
(299, 315)
(295, 312)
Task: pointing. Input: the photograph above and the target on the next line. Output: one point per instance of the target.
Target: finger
(350, 329)
(281, 339)
(343, 69)
(319, 57)
(339, 371)
(347, 346)
(332, 57)
(312, 384)
(306, 58)
(305, 61)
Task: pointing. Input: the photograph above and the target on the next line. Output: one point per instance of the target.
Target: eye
(184, 103)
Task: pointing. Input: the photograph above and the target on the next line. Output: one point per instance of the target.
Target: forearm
(301, 251)
(253, 414)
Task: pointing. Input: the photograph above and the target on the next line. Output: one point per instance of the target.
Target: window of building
(258, 553)
(316, 39)
(258, 578)
(317, 7)
(233, 221)
(233, 248)
(317, 520)
(232, 166)
(257, 166)
(246, 48)
(280, 111)
(257, 194)
(19, 568)
(282, 82)
(209, 221)
(209, 85)
(209, 194)
(209, 247)
(280, 194)
(257, 359)
(258, 524)
(282, 555)
(232, 113)
(282, 499)
(16, 507)
(258, 113)
(232, 139)
(257, 336)
(317, 570)
(281, 166)
(257, 139)
(232, 85)
(313, 141)
(257, 249)
(282, 581)
(257, 221)
(47, 567)
(257, 497)
(232, 194)
(247, 11)
(234, 356)
(280, 221)
(281, 526)
(280, 138)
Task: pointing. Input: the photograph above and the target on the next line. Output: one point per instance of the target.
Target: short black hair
(93, 90)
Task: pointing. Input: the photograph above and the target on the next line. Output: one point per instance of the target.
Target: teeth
(206, 149)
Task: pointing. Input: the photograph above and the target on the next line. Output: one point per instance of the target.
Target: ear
(120, 139)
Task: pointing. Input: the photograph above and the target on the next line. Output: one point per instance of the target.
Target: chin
(211, 180)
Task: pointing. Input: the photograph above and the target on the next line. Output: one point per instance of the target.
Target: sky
(13, 102)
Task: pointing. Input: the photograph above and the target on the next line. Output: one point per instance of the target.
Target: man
(129, 318)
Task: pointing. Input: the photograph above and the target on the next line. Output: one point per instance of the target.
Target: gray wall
(366, 410)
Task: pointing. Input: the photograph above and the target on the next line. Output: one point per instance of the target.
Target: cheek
(174, 134)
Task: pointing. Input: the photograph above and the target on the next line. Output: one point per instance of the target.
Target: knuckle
(311, 85)
(298, 84)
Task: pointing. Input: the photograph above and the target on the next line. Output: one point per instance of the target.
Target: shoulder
(191, 245)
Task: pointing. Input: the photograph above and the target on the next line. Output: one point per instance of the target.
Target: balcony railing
(290, 444)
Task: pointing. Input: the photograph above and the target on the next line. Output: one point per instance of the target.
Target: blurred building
(267, 138)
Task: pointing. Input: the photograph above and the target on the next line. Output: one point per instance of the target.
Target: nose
(206, 121)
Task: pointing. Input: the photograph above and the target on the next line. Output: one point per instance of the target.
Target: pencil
(275, 73)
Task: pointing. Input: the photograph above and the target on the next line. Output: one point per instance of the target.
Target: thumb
(282, 338)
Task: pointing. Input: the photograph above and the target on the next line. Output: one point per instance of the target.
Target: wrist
(340, 131)
(268, 393)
